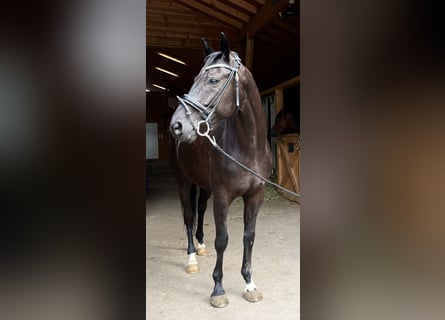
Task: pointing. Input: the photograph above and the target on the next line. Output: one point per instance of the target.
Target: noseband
(206, 113)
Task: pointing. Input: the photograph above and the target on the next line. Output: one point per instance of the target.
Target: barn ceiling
(176, 27)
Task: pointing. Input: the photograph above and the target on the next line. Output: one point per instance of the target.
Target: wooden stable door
(288, 164)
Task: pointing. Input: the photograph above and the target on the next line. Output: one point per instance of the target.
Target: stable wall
(158, 111)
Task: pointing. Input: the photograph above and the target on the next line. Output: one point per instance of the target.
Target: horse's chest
(194, 162)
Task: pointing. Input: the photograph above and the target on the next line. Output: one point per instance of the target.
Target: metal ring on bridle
(198, 129)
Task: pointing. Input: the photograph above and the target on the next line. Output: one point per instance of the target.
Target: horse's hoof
(192, 268)
(202, 251)
(253, 296)
(219, 301)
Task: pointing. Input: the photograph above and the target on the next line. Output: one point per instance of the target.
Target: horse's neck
(246, 131)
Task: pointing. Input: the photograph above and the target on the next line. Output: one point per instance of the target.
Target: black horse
(223, 102)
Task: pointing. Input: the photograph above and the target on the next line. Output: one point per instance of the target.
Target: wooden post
(278, 91)
(268, 11)
(284, 85)
(249, 52)
(278, 99)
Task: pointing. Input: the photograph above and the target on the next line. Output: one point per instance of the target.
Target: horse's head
(285, 122)
(214, 94)
(279, 125)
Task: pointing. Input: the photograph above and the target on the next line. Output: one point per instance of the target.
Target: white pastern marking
(201, 246)
(250, 286)
(192, 258)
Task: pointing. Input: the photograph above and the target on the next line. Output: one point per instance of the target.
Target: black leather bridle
(206, 112)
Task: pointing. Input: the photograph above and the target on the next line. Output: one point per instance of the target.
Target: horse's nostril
(177, 128)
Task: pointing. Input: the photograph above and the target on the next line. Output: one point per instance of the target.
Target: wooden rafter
(184, 24)
(225, 9)
(156, 41)
(171, 33)
(263, 16)
(244, 5)
(212, 13)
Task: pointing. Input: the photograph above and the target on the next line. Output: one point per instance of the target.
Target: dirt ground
(174, 294)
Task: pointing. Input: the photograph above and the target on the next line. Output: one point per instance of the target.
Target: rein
(207, 112)
(221, 150)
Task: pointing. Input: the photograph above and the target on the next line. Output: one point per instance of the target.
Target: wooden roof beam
(161, 41)
(227, 9)
(168, 33)
(199, 32)
(245, 5)
(264, 15)
(153, 20)
(212, 13)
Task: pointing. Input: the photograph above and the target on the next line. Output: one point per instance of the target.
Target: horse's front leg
(252, 204)
(204, 196)
(220, 208)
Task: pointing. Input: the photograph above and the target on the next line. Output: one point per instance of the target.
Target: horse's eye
(213, 81)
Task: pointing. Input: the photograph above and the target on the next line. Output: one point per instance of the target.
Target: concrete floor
(174, 294)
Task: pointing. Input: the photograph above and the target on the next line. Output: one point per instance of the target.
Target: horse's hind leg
(187, 194)
(252, 204)
(204, 195)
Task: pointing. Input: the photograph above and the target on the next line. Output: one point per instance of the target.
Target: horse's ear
(225, 49)
(207, 49)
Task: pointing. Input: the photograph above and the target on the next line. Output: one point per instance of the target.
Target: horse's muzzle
(177, 130)
(181, 127)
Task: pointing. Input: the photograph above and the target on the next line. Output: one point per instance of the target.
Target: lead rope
(221, 150)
